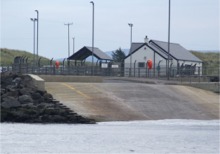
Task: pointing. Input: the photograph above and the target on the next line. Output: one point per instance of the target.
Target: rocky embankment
(22, 102)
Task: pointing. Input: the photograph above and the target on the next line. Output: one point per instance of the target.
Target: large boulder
(10, 88)
(36, 95)
(25, 99)
(17, 81)
(14, 94)
(10, 102)
(25, 91)
(3, 91)
(48, 97)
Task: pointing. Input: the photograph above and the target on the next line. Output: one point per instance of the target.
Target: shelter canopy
(85, 52)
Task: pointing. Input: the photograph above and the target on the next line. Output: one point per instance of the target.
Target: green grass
(211, 61)
(7, 56)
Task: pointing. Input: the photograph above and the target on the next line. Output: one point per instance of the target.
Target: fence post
(53, 69)
(134, 70)
(181, 76)
(158, 71)
(146, 73)
(190, 76)
(27, 69)
(139, 72)
(129, 72)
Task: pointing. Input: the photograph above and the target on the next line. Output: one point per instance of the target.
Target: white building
(182, 62)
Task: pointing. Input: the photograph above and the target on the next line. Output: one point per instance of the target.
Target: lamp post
(37, 31)
(34, 20)
(168, 76)
(73, 45)
(93, 16)
(68, 25)
(131, 25)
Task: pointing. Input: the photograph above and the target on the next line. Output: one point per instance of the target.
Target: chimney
(146, 39)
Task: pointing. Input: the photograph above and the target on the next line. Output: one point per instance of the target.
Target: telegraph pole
(73, 45)
(168, 76)
(93, 18)
(131, 25)
(37, 31)
(34, 20)
(68, 25)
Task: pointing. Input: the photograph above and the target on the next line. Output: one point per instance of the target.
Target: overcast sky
(194, 24)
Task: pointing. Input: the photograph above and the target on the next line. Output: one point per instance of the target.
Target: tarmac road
(136, 101)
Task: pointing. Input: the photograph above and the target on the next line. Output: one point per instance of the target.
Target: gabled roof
(136, 46)
(176, 50)
(85, 52)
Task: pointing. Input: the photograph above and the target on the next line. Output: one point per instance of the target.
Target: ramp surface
(136, 101)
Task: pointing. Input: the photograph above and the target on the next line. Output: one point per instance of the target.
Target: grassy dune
(210, 59)
(8, 55)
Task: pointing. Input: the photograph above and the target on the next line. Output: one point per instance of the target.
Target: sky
(194, 24)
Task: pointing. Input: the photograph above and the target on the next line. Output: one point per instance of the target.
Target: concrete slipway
(136, 101)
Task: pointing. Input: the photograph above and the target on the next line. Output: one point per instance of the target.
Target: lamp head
(33, 19)
(130, 24)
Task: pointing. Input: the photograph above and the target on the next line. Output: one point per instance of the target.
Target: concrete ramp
(136, 101)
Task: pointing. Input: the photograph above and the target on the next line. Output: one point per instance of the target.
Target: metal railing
(198, 74)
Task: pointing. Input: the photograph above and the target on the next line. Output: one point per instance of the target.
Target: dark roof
(85, 52)
(176, 50)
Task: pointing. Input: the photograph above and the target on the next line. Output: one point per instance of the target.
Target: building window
(141, 64)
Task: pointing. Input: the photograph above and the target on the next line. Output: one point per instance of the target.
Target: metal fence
(182, 74)
(179, 74)
(162, 71)
(67, 70)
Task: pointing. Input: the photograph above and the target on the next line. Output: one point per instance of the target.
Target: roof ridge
(165, 42)
(90, 47)
(137, 42)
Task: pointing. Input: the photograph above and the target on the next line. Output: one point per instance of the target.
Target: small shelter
(82, 54)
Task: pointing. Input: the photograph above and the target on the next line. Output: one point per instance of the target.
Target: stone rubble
(22, 102)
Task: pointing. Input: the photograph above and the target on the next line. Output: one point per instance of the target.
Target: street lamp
(37, 31)
(34, 20)
(131, 25)
(68, 24)
(168, 76)
(93, 9)
(73, 44)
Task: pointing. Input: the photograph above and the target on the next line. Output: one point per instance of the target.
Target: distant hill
(210, 59)
(8, 55)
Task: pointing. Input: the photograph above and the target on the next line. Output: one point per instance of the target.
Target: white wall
(143, 55)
